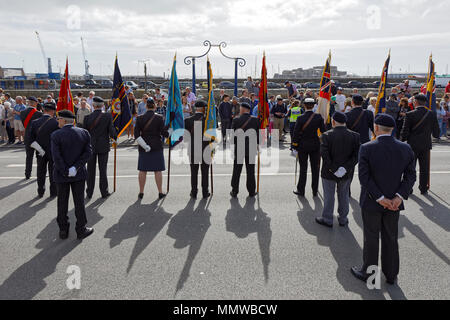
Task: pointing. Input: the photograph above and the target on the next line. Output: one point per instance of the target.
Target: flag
(263, 106)
(325, 91)
(120, 108)
(65, 101)
(431, 86)
(211, 117)
(381, 99)
(174, 115)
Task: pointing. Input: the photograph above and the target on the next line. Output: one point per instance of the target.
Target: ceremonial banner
(431, 86)
(263, 106)
(120, 108)
(381, 100)
(65, 101)
(211, 117)
(174, 115)
(325, 92)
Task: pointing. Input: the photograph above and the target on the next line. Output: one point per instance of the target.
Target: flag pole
(168, 171)
(115, 166)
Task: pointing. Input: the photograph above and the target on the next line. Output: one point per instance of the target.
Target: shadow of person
(436, 212)
(343, 246)
(356, 212)
(6, 191)
(242, 221)
(142, 221)
(93, 216)
(29, 279)
(188, 228)
(21, 214)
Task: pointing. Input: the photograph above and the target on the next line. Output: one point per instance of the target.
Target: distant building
(11, 73)
(407, 75)
(314, 72)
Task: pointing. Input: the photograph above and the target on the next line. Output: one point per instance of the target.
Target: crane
(47, 61)
(87, 75)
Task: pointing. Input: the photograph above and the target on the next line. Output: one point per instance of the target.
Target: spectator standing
(226, 116)
(82, 112)
(90, 99)
(18, 125)
(191, 98)
(142, 106)
(292, 89)
(279, 113)
(340, 100)
(3, 133)
(447, 88)
(9, 121)
(249, 85)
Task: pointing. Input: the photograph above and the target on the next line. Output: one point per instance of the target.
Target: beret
(150, 102)
(421, 97)
(385, 120)
(49, 106)
(98, 100)
(246, 106)
(309, 100)
(340, 117)
(200, 104)
(66, 114)
(33, 99)
(358, 99)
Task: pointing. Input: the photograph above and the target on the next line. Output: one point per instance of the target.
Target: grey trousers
(329, 190)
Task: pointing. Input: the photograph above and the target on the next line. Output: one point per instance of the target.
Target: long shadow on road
(14, 187)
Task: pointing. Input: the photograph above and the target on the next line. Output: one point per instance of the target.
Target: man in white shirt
(340, 99)
(90, 99)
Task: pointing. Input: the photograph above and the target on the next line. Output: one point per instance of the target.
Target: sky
(293, 34)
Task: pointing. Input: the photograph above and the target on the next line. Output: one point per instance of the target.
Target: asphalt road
(221, 249)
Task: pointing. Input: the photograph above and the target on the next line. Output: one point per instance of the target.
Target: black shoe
(89, 196)
(361, 275)
(53, 195)
(106, 195)
(162, 196)
(141, 196)
(252, 195)
(391, 281)
(193, 195)
(206, 195)
(233, 194)
(424, 193)
(64, 234)
(27, 177)
(40, 195)
(86, 232)
(298, 193)
(343, 224)
(320, 221)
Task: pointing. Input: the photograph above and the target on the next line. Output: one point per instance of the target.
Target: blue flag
(211, 116)
(174, 116)
(120, 109)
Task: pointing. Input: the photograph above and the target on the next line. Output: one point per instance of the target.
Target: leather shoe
(320, 221)
(343, 224)
(361, 275)
(141, 196)
(83, 234)
(298, 193)
(193, 195)
(390, 281)
(252, 195)
(206, 195)
(233, 194)
(106, 195)
(64, 234)
(162, 196)
(424, 193)
(89, 196)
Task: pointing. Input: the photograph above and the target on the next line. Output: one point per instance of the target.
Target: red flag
(263, 107)
(325, 91)
(65, 101)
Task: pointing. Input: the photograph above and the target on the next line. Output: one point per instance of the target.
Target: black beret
(340, 117)
(33, 99)
(246, 106)
(421, 97)
(150, 102)
(200, 104)
(66, 114)
(49, 106)
(358, 99)
(385, 120)
(98, 100)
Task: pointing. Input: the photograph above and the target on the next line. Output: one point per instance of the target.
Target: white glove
(143, 144)
(341, 172)
(38, 148)
(170, 132)
(72, 172)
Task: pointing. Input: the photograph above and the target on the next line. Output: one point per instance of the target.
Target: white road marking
(19, 166)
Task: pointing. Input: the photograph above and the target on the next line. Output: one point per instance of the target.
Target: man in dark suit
(339, 150)
(360, 120)
(246, 141)
(101, 128)
(418, 127)
(199, 150)
(40, 133)
(28, 116)
(306, 141)
(71, 150)
(387, 174)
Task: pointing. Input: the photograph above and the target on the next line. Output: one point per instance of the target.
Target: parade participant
(307, 144)
(27, 116)
(387, 174)
(195, 126)
(245, 127)
(279, 113)
(418, 127)
(40, 134)
(360, 120)
(101, 128)
(339, 150)
(294, 112)
(71, 150)
(226, 116)
(149, 132)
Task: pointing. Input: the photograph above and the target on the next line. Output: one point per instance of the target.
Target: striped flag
(381, 100)
(431, 86)
(65, 100)
(325, 91)
(263, 106)
(174, 115)
(211, 116)
(120, 108)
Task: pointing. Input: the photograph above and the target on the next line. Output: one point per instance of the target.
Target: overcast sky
(297, 33)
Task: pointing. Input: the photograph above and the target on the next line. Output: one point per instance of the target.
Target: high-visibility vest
(295, 113)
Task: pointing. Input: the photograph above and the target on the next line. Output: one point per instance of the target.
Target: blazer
(154, 133)
(308, 140)
(46, 126)
(420, 138)
(363, 126)
(386, 168)
(23, 115)
(339, 148)
(71, 147)
(250, 150)
(195, 126)
(101, 132)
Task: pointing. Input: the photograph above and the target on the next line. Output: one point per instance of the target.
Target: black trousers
(11, 135)
(44, 163)
(251, 181)
(385, 223)
(63, 204)
(205, 177)
(102, 159)
(423, 157)
(314, 159)
(226, 124)
(29, 160)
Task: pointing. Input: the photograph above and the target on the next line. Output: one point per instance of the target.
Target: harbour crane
(87, 75)
(47, 61)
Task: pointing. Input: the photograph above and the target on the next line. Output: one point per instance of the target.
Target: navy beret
(66, 114)
(200, 104)
(49, 106)
(421, 97)
(385, 120)
(98, 100)
(246, 106)
(358, 99)
(33, 99)
(340, 117)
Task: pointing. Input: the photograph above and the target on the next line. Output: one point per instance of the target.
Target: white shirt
(340, 100)
(2, 108)
(371, 108)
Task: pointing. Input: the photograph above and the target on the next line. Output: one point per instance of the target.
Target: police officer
(418, 127)
(306, 142)
(387, 174)
(71, 150)
(294, 112)
(360, 120)
(246, 141)
(198, 157)
(27, 116)
(101, 128)
(40, 133)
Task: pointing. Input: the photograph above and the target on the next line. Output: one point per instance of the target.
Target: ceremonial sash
(28, 118)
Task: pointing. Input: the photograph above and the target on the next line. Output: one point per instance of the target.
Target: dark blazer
(386, 167)
(308, 140)
(155, 132)
(71, 147)
(23, 115)
(420, 138)
(363, 126)
(101, 132)
(254, 124)
(197, 145)
(46, 125)
(339, 148)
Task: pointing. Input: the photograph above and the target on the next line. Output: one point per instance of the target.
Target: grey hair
(98, 104)
(385, 129)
